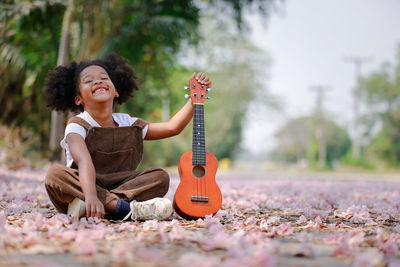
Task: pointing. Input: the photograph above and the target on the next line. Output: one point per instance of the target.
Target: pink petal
(389, 247)
(336, 238)
(87, 247)
(370, 257)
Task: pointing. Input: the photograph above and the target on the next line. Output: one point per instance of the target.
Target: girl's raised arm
(179, 121)
(173, 127)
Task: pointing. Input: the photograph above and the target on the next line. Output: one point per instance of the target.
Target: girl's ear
(78, 100)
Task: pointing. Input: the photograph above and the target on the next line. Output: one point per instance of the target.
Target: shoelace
(139, 210)
(129, 213)
(127, 216)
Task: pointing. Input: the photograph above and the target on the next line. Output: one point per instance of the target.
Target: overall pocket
(111, 162)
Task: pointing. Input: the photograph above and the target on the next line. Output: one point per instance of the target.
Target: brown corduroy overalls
(116, 152)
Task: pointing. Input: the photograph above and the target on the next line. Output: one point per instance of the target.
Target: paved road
(267, 219)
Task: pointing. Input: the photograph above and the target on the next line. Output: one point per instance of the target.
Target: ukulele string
(203, 150)
(195, 148)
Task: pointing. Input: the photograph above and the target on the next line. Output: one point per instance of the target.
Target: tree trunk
(57, 118)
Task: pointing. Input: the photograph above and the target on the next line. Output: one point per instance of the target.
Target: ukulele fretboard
(199, 143)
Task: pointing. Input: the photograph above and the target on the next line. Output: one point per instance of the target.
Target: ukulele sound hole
(199, 171)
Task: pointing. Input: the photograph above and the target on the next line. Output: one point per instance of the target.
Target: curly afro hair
(62, 82)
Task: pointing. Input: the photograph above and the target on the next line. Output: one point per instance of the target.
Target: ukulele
(197, 194)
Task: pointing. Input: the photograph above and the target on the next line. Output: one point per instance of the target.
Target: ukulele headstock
(198, 91)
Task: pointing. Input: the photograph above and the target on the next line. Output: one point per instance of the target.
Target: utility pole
(320, 132)
(358, 62)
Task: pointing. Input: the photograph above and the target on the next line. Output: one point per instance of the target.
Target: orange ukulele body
(197, 194)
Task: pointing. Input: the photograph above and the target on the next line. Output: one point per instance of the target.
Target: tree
(57, 118)
(238, 70)
(147, 32)
(381, 94)
(28, 27)
(296, 141)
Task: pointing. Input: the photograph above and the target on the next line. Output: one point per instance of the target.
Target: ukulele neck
(198, 143)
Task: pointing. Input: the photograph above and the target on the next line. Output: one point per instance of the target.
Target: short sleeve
(145, 128)
(72, 128)
(124, 119)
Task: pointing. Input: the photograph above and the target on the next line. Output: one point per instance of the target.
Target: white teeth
(96, 91)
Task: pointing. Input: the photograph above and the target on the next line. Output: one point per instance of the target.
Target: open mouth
(99, 90)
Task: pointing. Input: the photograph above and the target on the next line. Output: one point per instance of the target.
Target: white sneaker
(77, 209)
(156, 208)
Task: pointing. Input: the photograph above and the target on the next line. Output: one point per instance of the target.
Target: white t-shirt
(122, 119)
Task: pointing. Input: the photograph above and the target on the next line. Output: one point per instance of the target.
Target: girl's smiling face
(95, 86)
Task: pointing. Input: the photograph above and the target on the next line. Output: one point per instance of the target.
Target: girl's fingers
(203, 78)
(198, 76)
(207, 81)
(99, 213)
(93, 211)
(87, 210)
(102, 212)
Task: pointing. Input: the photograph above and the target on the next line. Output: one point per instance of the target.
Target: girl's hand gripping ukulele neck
(197, 194)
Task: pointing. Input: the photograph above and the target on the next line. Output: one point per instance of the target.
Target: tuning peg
(208, 89)
(209, 98)
(186, 96)
(186, 87)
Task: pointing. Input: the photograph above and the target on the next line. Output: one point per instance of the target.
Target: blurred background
(305, 85)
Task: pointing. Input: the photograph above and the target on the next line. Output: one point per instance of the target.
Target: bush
(362, 162)
(19, 148)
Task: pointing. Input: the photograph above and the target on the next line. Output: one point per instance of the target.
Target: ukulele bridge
(199, 198)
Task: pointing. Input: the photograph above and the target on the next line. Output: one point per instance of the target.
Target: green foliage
(297, 141)
(381, 94)
(163, 152)
(238, 71)
(28, 50)
(236, 84)
(149, 33)
(294, 141)
(12, 82)
(19, 147)
(338, 142)
(386, 144)
(265, 8)
(362, 162)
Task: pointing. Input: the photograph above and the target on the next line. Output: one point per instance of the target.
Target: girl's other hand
(94, 208)
(203, 79)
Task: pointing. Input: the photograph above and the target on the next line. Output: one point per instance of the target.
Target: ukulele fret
(198, 141)
(199, 199)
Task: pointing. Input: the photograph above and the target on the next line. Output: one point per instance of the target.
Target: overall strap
(80, 121)
(140, 123)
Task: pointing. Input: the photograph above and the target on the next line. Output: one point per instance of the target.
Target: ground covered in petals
(265, 220)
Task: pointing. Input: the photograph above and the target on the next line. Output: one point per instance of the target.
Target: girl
(103, 149)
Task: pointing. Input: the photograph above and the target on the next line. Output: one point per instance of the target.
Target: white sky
(308, 44)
